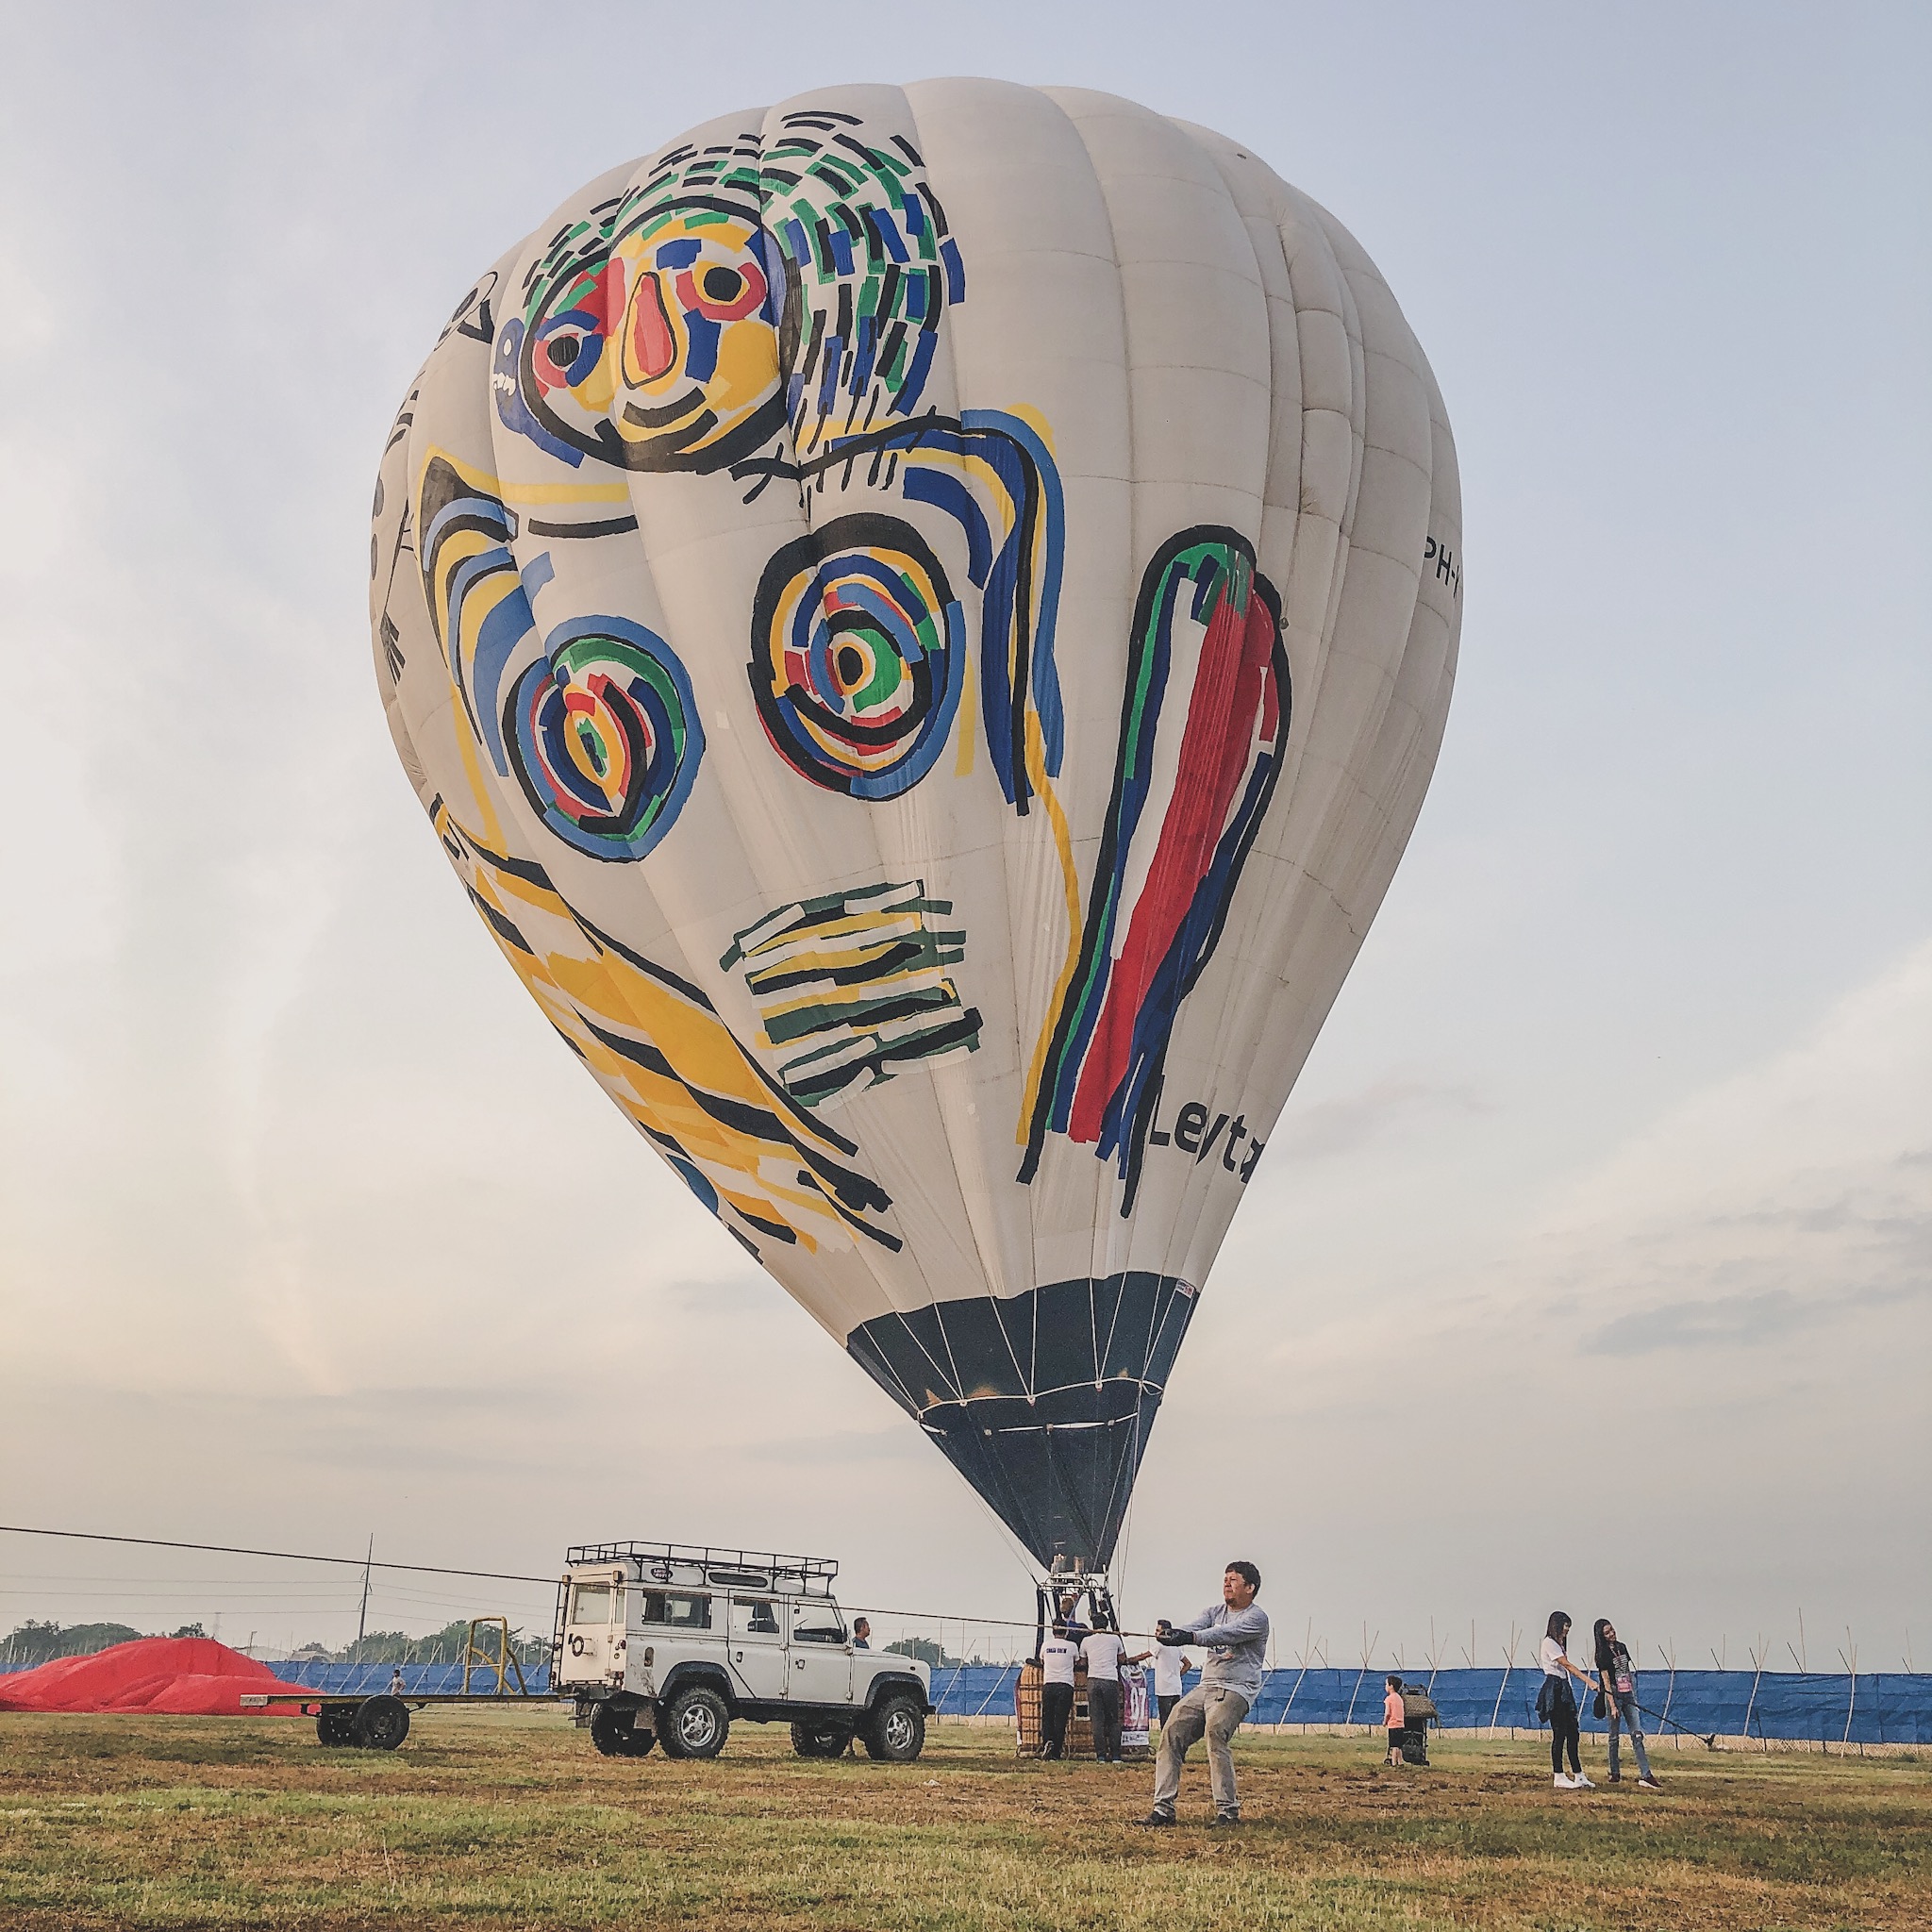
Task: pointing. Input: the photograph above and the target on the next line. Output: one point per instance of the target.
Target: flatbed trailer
(379, 1720)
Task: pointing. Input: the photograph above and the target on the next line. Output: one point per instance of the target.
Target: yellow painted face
(658, 351)
(751, 290)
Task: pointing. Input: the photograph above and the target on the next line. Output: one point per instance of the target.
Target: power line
(150, 1543)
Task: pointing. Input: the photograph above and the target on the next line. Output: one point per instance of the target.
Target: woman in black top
(1619, 1681)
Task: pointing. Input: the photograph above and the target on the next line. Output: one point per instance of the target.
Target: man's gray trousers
(1207, 1711)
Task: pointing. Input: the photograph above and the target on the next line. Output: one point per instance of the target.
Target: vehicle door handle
(800, 1662)
(737, 1656)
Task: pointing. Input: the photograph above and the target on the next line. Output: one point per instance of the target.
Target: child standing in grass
(1392, 1717)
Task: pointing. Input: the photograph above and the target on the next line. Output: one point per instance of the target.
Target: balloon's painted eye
(858, 656)
(722, 290)
(605, 738)
(566, 351)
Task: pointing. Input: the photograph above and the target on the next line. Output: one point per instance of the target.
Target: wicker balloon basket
(1028, 1731)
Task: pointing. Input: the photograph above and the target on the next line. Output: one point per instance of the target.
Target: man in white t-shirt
(1058, 1655)
(1102, 1650)
(1171, 1667)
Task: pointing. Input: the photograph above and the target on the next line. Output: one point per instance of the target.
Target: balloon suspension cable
(1014, 1548)
(1120, 1554)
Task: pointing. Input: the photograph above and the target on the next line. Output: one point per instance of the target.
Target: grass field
(505, 1820)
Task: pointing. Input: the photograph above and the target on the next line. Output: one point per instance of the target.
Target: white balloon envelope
(922, 620)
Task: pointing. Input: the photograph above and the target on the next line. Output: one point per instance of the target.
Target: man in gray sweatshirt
(1234, 1633)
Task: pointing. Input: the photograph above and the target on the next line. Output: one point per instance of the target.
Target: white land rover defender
(666, 1643)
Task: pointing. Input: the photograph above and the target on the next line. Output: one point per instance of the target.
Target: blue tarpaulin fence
(1874, 1707)
(419, 1680)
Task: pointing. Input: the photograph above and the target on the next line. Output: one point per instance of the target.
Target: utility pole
(362, 1616)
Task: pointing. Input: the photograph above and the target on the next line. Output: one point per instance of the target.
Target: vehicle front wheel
(696, 1722)
(616, 1735)
(380, 1723)
(821, 1740)
(896, 1732)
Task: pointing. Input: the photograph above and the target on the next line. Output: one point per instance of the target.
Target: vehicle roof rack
(692, 1563)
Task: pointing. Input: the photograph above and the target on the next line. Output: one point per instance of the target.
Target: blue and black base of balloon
(1041, 1401)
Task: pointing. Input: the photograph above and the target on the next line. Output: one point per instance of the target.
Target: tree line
(39, 1642)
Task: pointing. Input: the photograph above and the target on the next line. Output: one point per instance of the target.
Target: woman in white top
(1556, 1704)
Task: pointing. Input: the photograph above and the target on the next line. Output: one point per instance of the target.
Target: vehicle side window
(590, 1604)
(816, 1623)
(755, 1616)
(680, 1611)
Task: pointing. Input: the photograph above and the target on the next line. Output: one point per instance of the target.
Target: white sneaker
(1563, 1781)
(1580, 1783)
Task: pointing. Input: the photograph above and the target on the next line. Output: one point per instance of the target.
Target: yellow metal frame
(501, 1666)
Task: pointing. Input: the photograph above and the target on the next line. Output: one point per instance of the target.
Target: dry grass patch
(509, 1820)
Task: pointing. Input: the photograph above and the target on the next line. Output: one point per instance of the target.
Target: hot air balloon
(921, 619)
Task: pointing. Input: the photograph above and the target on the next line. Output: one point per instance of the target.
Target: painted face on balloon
(656, 352)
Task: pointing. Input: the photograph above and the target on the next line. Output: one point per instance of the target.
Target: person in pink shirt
(1392, 1717)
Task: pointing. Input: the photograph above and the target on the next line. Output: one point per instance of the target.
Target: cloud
(1333, 1127)
(1791, 1198)
(838, 1448)
(1741, 1321)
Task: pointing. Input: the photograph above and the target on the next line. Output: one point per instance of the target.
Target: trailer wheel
(380, 1723)
(696, 1722)
(334, 1725)
(616, 1735)
(821, 1739)
(895, 1734)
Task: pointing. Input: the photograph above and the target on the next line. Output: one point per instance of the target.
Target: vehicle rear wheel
(895, 1733)
(380, 1723)
(335, 1724)
(615, 1733)
(821, 1739)
(696, 1722)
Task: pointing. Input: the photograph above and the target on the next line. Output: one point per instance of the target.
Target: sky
(1589, 1261)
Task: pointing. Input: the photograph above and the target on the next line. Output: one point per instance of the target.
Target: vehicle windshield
(590, 1603)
